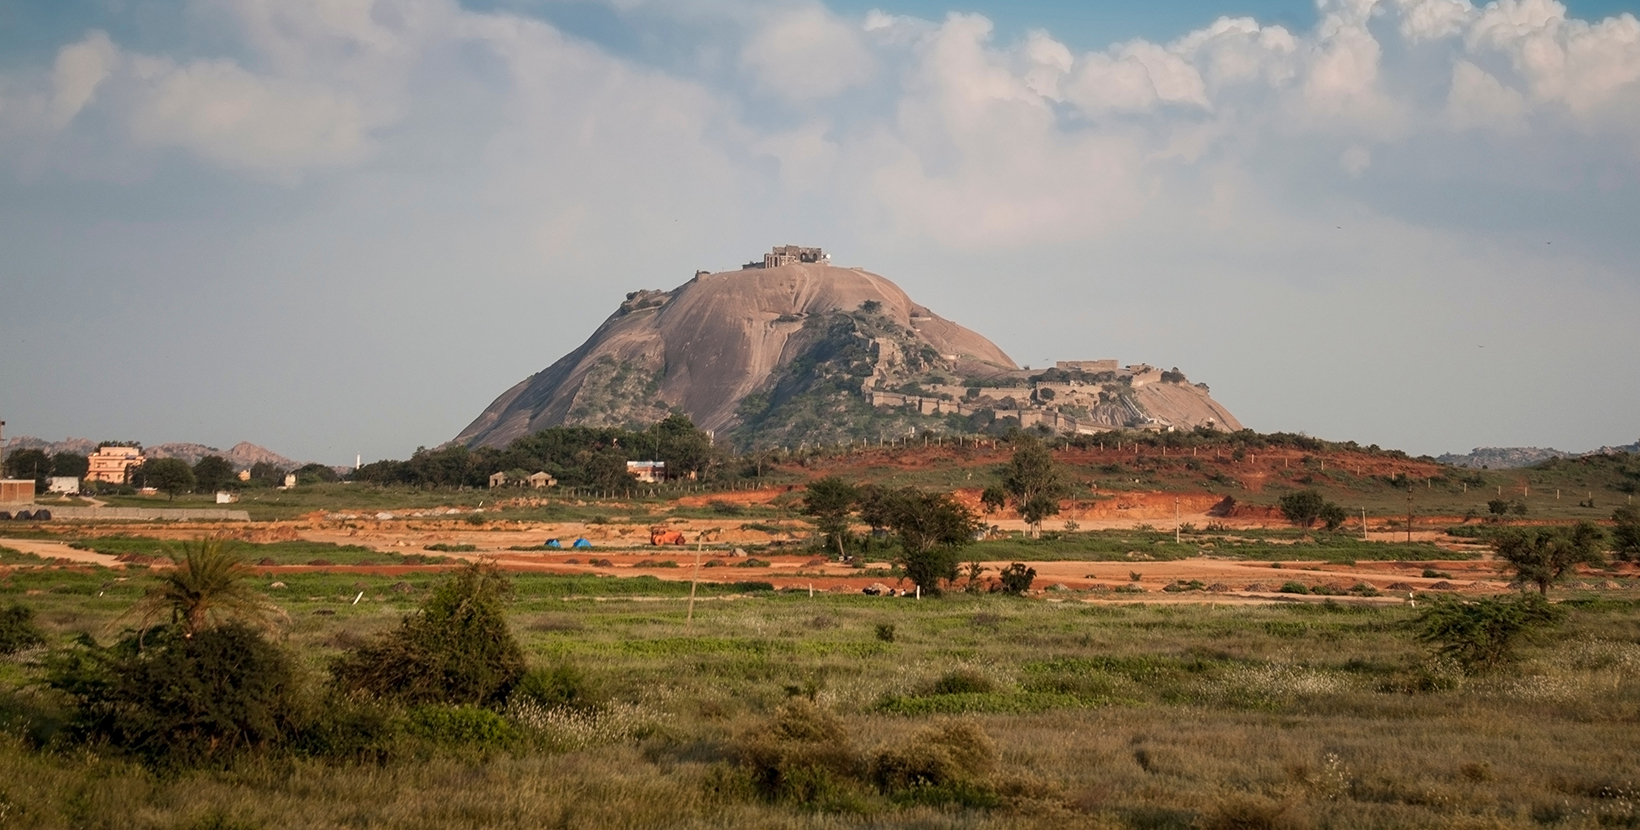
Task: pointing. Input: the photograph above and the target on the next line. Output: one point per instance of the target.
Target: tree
(1303, 508)
(207, 586)
(1017, 578)
(1626, 534)
(829, 501)
(1545, 555)
(606, 469)
(267, 475)
(168, 475)
(933, 528)
(994, 498)
(213, 472)
(457, 648)
(1497, 507)
(33, 464)
(179, 700)
(316, 474)
(1033, 480)
(1480, 634)
(70, 465)
(1333, 516)
(683, 447)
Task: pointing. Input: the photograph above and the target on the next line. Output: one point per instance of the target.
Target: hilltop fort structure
(783, 255)
(1077, 397)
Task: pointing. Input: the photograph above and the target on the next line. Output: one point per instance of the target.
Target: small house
(290, 480)
(498, 480)
(16, 490)
(225, 497)
(647, 472)
(540, 480)
(244, 475)
(66, 485)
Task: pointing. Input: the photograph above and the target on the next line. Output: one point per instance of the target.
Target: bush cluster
(206, 688)
(804, 755)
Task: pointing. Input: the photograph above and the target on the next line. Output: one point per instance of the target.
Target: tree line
(575, 456)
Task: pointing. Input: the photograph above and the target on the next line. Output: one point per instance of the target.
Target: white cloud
(804, 53)
(1245, 162)
(1136, 76)
(79, 70)
(238, 120)
(1479, 101)
(1423, 20)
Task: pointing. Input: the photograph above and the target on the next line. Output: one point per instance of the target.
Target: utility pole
(1363, 524)
(1409, 517)
(689, 621)
(1175, 520)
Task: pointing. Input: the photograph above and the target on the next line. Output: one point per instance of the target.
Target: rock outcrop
(780, 355)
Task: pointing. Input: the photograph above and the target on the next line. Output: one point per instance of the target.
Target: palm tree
(206, 586)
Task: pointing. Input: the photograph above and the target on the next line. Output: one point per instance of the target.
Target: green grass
(1103, 715)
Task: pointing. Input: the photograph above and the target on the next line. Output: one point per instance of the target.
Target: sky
(339, 227)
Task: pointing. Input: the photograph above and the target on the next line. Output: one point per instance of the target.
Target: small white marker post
(357, 598)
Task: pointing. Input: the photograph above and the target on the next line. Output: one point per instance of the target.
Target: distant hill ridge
(792, 350)
(1503, 458)
(242, 455)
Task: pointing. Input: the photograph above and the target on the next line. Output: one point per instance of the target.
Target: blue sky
(343, 226)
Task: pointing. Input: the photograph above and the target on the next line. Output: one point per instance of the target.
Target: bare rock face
(776, 356)
(706, 345)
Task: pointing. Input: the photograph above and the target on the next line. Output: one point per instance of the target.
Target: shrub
(461, 725)
(180, 699)
(885, 632)
(456, 648)
(443, 547)
(1017, 578)
(1294, 588)
(962, 682)
(802, 754)
(1479, 635)
(17, 629)
(350, 730)
(1248, 813)
(943, 757)
(1626, 534)
(563, 685)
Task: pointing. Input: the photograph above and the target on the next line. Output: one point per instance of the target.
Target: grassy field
(1157, 716)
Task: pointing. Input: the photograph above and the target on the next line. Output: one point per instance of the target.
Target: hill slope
(782, 355)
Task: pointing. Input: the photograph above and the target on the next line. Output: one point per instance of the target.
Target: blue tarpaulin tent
(582, 543)
(553, 543)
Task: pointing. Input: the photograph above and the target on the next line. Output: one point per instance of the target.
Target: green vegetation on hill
(575, 456)
(816, 399)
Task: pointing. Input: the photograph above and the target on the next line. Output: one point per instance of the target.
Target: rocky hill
(807, 352)
(1504, 458)
(243, 454)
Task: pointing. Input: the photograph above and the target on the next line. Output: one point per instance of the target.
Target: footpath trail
(60, 550)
